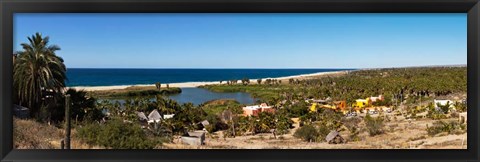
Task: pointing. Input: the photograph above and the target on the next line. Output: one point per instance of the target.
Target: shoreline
(196, 84)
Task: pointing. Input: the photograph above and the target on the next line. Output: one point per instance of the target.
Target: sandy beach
(196, 84)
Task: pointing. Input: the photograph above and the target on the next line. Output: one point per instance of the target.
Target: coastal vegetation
(37, 70)
(117, 134)
(135, 92)
(393, 83)
(101, 121)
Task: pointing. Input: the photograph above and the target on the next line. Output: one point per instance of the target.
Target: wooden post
(67, 121)
(62, 144)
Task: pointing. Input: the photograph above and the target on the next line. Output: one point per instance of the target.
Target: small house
(168, 116)
(154, 117)
(256, 109)
(340, 104)
(334, 138)
(378, 98)
(194, 138)
(371, 110)
(361, 103)
(142, 117)
(386, 109)
(202, 124)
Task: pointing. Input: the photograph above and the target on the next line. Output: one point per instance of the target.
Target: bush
(352, 126)
(117, 135)
(307, 133)
(29, 134)
(283, 124)
(298, 109)
(442, 126)
(374, 125)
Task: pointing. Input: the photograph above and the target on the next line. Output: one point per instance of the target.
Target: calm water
(109, 77)
(199, 95)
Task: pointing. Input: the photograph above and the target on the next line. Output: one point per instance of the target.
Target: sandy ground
(196, 84)
(400, 134)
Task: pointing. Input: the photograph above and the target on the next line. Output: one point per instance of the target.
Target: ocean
(115, 77)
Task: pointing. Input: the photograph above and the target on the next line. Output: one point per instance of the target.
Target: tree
(259, 81)
(82, 108)
(374, 125)
(158, 85)
(37, 67)
(307, 133)
(245, 81)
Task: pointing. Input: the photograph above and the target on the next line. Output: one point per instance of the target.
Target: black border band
(9, 7)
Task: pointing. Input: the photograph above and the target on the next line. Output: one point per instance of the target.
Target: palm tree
(37, 67)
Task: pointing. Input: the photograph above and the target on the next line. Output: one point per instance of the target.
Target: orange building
(256, 109)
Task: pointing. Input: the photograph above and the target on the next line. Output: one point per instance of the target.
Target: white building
(154, 116)
(168, 116)
(443, 103)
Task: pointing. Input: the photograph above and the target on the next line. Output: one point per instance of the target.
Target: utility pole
(67, 121)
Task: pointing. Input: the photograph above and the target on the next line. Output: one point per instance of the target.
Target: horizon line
(346, 68)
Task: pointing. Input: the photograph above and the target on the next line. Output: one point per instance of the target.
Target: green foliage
(259, 81)
(418, 84)
(283, 123)
(82, 108)
(132, 93)
(374, 125)
(216, 123)
(116, 134)
(245, 81)
(442, 126)
(298, 109)
(352, 126)
(215, 107)
(445, 107)
(460, 106)
(36, 67)
(307, 133)
(435, 114)
(263, 123)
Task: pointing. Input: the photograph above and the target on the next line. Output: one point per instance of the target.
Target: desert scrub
(352, 126)
(29, 134)
(373, 125)
(307, 133)
(443, 126)
(116, 135)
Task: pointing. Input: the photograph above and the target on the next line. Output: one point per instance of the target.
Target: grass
(216, 107)
(135, 91)
(262, 91)
(29, 134)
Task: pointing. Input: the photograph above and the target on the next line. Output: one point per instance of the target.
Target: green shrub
(116, 135)
(374, 125)
(307, 133)
(442, 126)
(352, 126)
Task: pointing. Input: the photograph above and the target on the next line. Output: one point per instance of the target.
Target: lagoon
(198, 96)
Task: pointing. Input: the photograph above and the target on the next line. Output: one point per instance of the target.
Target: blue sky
(250, 40)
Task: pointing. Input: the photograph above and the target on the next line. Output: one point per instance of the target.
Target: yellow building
(361, 103)
(313, 108)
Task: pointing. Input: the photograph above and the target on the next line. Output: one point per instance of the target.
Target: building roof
(154, 116)
(142, 116)
(255, 107)
(205, 123)
(168, 116)
(331, 135)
